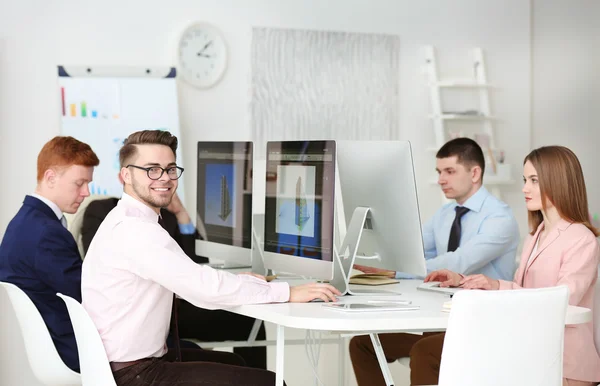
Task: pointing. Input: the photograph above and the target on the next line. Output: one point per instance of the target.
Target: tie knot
(461, 211)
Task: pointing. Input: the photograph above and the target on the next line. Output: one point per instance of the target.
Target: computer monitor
(379, 175)
(224, 201)
(299, 208)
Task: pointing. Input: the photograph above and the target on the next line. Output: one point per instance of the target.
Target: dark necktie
(174, 316)
(454, 239)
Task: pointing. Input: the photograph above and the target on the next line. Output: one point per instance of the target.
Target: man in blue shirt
(477, 233)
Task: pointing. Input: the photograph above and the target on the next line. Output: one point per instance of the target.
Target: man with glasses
(176, 219)
(193, 322)
(177, 222)
(133, 268)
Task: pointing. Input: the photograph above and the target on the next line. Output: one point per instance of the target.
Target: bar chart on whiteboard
(94, 99)
(103, 110)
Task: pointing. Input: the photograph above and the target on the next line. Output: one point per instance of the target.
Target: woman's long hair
(561, 182)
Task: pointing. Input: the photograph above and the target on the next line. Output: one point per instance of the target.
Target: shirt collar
(141, 208)
(475, 202)
(51, 204)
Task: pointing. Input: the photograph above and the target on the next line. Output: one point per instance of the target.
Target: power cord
(312, 347)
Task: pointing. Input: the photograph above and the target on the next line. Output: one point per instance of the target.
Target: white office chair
(75, 221)
(95, 369)
(45, 363)
(498, 338)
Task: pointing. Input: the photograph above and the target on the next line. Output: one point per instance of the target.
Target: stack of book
(372, 279)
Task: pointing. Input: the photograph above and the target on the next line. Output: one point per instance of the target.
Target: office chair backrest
(45, 363)
(498, 338)
(75, 221)
(95, 369)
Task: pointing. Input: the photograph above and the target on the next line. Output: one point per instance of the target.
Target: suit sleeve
(58, 263)
(578, 269)
(92, 218)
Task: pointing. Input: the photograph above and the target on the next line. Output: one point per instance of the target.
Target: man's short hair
(145, 137)
(468, 153)
(62, 152)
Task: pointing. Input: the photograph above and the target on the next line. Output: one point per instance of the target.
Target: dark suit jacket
(40, 256)
(97, 210)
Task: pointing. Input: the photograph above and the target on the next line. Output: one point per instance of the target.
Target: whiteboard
(103, 106)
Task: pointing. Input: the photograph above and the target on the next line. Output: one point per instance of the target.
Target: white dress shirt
(131, 271)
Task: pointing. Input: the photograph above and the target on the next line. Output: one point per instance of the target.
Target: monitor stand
(258, 265)
(344, 259)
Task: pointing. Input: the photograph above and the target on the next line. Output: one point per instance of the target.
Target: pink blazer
(569, 255)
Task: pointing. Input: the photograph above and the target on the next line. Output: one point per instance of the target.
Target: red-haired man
(38, 254)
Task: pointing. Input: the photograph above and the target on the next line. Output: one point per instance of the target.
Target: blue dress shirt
(488, 243)
(187, 229)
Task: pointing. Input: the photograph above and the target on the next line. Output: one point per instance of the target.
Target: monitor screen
(299, 199)
(224, 192)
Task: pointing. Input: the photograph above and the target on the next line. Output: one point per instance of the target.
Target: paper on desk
(447, 306)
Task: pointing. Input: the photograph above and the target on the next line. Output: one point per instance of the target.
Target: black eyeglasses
(155, 172)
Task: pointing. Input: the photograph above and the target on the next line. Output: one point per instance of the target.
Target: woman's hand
(479, 282)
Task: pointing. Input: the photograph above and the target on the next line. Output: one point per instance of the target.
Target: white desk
(313, 316)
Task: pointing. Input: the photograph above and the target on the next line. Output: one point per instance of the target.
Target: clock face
(202, 55)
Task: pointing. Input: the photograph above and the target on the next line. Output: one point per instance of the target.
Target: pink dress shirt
(131, 271)
(568, 256)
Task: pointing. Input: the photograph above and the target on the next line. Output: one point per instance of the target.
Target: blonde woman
(561, 249)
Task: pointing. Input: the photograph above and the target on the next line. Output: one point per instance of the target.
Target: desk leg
(342, 360)
(385, 370)
(254, 331)
(279, 357)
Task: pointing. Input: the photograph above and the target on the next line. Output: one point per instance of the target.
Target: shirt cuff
(281, 292)
(505, 285)
(187, 229)
(404, 275)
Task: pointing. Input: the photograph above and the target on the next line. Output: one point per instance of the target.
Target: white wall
(35, 36)
(38, 35)
(566, 85)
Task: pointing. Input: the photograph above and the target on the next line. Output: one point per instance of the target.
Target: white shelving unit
(497, 174)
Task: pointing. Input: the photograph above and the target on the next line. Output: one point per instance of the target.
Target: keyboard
(368, 291)
(435, 287)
